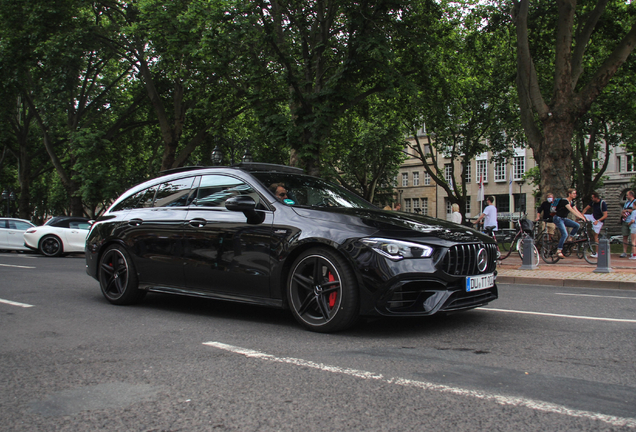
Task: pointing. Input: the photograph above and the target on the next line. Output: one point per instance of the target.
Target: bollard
(603, 261)
(529, 259)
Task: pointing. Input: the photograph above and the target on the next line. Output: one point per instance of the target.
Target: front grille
(461, 260)
(461, 301)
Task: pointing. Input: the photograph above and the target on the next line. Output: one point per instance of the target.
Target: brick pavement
(571, 272)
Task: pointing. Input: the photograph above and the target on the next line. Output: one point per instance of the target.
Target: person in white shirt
(489, 215)
(456, 216)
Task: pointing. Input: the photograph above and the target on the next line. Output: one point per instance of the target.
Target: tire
(118, 278)
(588, 250)
(548, 251)
(322, 291)
(51, 246)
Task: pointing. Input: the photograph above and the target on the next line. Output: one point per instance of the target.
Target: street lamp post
(217, 156)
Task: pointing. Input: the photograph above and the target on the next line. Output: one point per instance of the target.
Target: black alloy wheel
(51, 246)
(117, 277)
(322, 291)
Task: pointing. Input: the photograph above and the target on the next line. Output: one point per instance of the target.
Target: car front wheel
(117, 277)
(322, 291)
(51, 246)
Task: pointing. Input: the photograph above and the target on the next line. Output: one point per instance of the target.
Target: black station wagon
(270, 235)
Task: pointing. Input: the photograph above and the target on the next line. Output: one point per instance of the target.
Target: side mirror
(247, 205)
(241, 203)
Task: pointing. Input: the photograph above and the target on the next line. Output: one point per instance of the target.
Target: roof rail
(258, 166)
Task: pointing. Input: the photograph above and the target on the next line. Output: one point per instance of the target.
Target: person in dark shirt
(560, 219)
(543, 214)
(599, 213)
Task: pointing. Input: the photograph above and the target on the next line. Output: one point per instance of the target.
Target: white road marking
(499, 399)
(16, 266)
(12, 303)
(559, 315)
(595, 295)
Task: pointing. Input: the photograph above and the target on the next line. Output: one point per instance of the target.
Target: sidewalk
(570, 272)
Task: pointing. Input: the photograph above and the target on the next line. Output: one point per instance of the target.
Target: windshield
(305, 191)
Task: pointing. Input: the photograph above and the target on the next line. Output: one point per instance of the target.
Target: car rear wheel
(322, 291)
(117, 277)
(51, 246)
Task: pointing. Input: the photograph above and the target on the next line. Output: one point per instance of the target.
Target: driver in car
(279, 190)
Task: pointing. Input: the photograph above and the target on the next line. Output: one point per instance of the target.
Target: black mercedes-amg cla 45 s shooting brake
(269, 235)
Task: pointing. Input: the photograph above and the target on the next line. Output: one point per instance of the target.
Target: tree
(366, 149)
(581, 68)
(464, 101)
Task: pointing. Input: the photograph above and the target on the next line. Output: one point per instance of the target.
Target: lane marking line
(537, 405)
(595, 295)
(12, 303)
(559, 315)
(16, 266)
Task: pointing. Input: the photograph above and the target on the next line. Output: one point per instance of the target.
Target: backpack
(553, 206)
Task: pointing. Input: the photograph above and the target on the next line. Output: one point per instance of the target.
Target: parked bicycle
(583, 245)
(506, 245)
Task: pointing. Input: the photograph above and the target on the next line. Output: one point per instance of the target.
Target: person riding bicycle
(563, 208)
(489, 215)
(543, 214)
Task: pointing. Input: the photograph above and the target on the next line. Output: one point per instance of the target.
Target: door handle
(135, 222)
(198, 222)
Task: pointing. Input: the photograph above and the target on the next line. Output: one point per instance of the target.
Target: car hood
(396, 224)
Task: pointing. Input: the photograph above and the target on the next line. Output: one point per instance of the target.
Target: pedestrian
(398, 207)
(456, 216)
(631, 221)
(543, 214)
(625, 229)
(599, 213)
(563, 208)
(489, 215)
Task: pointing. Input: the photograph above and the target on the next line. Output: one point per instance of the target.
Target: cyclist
(563, 208)
(543, 214)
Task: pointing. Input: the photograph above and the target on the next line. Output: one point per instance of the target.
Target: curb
(573, 283)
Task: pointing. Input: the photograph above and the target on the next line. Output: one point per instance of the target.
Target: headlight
(397, 249)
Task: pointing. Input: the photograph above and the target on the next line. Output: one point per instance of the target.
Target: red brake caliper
(333, 295)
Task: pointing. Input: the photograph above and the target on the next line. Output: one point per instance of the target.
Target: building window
(425, 206)
(395, 183)
(407, 205)
(482, 172)
(427, 179)
(416, 178)
(448, 207)
(519, 167)
(467, 214)
(416, 205)
(500, 171)
(448, 175)
(630, 163)
(468, 173)
(405, 179)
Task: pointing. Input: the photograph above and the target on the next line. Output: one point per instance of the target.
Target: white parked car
(11, 233)
(59, 235)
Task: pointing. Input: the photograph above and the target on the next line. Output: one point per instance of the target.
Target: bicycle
(582, 245)
(524, 231)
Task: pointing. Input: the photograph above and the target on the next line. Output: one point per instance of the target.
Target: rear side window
(214, 190)
(22, 225)
(174, 193)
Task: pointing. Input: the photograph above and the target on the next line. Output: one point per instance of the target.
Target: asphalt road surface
(538, 359)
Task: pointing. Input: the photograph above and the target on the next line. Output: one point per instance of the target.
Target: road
(539, 358)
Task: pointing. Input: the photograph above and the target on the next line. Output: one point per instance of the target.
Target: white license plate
(476, 283)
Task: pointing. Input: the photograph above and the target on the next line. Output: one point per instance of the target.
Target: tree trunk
(555, 161)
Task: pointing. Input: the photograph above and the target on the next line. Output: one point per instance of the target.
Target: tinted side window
(142, 198)
(174, 193)
(214, 190)
(3, 224)
(21, 225)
